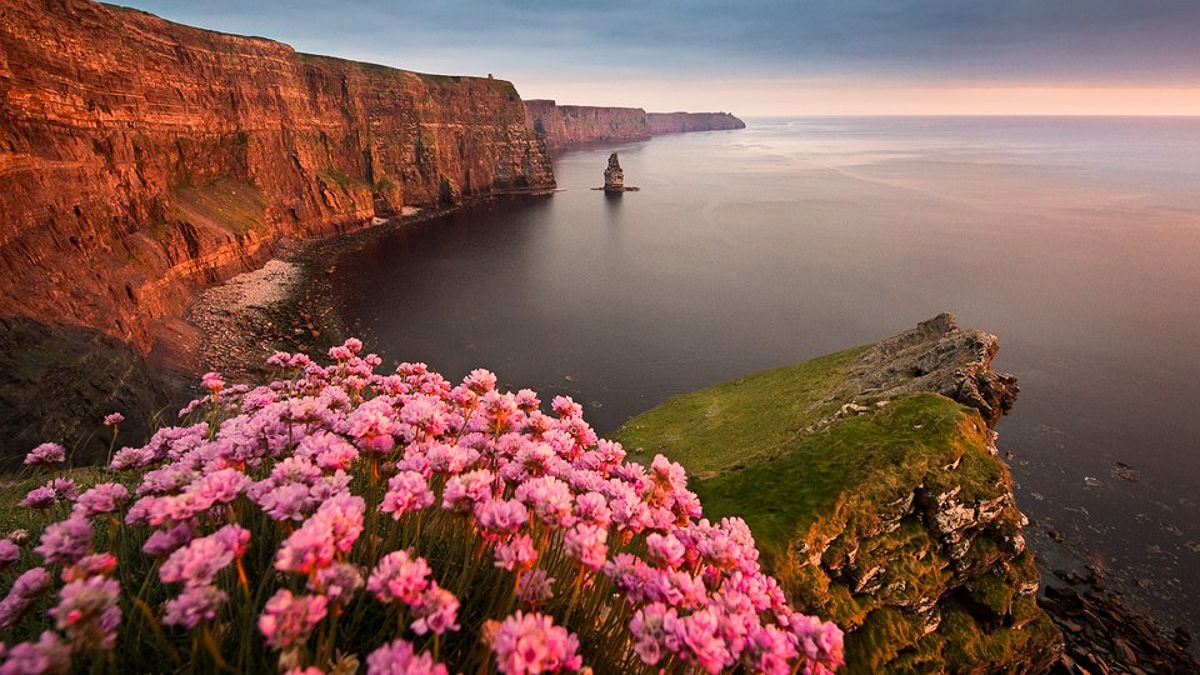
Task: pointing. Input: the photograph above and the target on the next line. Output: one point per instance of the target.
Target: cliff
(567, 126)
(870, 479)
(681, 122)
(140, 159)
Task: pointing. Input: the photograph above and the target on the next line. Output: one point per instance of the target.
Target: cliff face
(870, 479)
(141, 158)
(680, 122)
(566, 126)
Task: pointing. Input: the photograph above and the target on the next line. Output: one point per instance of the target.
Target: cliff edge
(141, 159)
(568, 126)
(871, 481)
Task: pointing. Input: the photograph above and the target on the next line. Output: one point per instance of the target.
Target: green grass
(342, 178)
(732, 423)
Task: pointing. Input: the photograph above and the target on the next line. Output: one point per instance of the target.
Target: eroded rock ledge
(870, 478)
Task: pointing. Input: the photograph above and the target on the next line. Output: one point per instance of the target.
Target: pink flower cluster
(536, 496)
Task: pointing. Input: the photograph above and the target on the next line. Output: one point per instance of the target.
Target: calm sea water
(1077, 241)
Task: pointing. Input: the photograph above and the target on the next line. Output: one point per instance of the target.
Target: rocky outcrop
(937, 356)
(141, 159)
(568, 126)
(614, 176)
(871, 481)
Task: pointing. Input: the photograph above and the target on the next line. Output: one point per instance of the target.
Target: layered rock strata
(568, 126)
(140, 159)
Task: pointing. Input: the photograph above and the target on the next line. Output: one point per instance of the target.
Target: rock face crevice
(140, 159)
(568, 126)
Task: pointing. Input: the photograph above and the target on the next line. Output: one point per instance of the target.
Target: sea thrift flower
(103, 498)
(164, 542)
(65, 541)
(665, 550)
(531, 643)
(212, 382)
(87, 611)
(199, 562)
(550, 499)
(821, 642)
(47, 655)
(650, 627)
(586, 543)
(535, 587)
(40, 498)
(408, 491)
(113, 419)
(338, 582)
(196, 605)
(46, 453)
(27, 587)
(697, 639)
(398, 658)
(289, 620)
(516, 555)
(9, 552)
(399, 577)
(498, 517)
(96, 564)
(463, 492)
(436, 611)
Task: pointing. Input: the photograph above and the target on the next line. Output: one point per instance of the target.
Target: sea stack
(614, 176)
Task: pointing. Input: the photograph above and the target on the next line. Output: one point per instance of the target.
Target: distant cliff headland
(142, 160)
(567, 126)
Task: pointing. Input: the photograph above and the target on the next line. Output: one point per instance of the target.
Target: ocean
(1075, 240)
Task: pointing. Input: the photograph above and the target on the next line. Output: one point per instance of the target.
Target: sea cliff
(871, 480)
(140, 159)
(567, 126)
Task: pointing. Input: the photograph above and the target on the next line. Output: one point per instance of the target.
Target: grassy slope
(752, 452)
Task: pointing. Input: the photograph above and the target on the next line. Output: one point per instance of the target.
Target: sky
(760, 57)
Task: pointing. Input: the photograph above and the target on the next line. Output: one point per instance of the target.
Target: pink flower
(480, 381)
(163, 542)
(399, 577)
(586, 543)
(398, 658)
(196, 605)
(198, 563)
(212, 382)
(42, 497)
(103, 498)
(665, 550)
(25, 589)
(289, 620)
(9, 552)
(65, 541)
(650, 627)
(550, 499)
(372, 426)
(96, 564)
(46, 453)
(535, 587)
(408, 491)
(436, 612)
(821, 642)
(87, 611)
(113, 419)
(47, 655)
(696, 638)
(463, 492)
(306, 550)
(498, 517)
(338, 582)
(531, 643)
(517, 554)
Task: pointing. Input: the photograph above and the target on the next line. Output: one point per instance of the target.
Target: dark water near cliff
(1077, 241)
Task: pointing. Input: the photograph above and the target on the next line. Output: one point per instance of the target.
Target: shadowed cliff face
(567, 126)
(140, 159)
